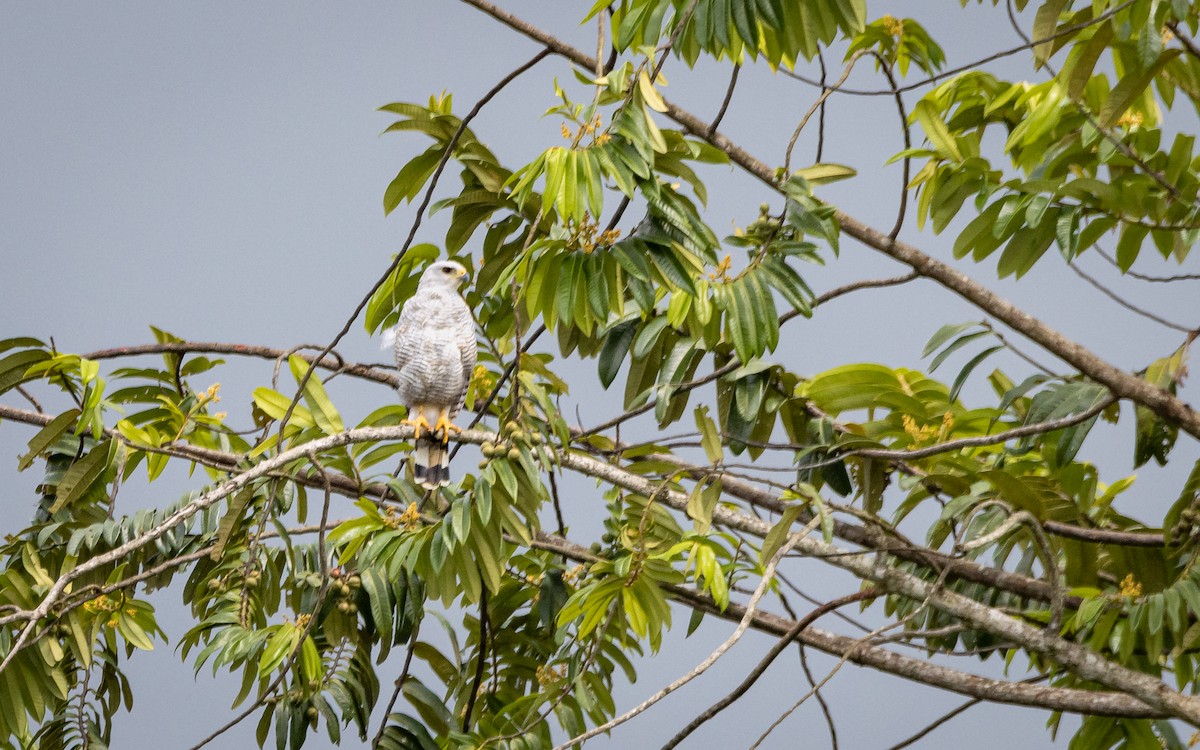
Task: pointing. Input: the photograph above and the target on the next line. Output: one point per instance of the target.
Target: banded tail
(431, 462)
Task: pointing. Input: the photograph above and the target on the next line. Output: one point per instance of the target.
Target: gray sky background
(217, 171)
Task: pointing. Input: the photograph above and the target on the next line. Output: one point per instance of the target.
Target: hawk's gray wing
(468, 352)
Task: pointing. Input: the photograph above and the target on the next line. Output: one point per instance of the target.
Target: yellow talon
(417, 423)
(445, 426)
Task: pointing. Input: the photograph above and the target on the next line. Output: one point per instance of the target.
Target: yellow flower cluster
(947, 425)
(1130, 586)
(1130, 119)
(918, 434)
(721, 273)
(482, 381)
(572, 575)
(588, 128)
(892, 25)
(110, 605)
(547, 676)
(411, 517)
(587, 236)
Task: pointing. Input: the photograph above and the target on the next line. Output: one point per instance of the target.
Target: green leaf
(958, 343)
(1130, 245)
(14, 366)
(410, 179)
(701, 503)
(824, 172)
(323, 411)
(1080, 69)
(1130, 87)
(1044, 25)
(968, 368)
(82, 475)
(275, 404)
(279, 646)
(1025, 248)
(229, 521)
(46, 437)
(936, 131)
(709, 437)
(944, 334)
(779, 533)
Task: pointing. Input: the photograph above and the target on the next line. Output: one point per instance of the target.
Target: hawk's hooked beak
(462, 272)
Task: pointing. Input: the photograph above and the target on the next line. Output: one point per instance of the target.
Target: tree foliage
(307, 559)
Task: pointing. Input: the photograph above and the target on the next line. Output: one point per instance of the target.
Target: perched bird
(435, 351)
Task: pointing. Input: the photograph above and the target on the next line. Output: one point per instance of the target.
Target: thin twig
(904, 177)
(480, 659)
(703, 666)
(825, 94)
(1127, 304)
(725, 102)
(29, 397)
(765, 662)
(1147, 277)
(408, 657)
(936, 723)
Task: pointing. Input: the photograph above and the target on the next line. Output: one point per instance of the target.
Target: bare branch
(765, 662)
(702, 667)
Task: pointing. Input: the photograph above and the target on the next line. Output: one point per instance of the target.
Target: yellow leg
(445, 426)
(417, 423)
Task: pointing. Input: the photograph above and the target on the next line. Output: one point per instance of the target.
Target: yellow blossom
(918, 434)
(410, 517)
(1130, 120)
(947, 425)
(1130, 586)
(892, 25)
(722, 270)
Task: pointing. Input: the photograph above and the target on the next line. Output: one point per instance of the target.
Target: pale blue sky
(216, 170)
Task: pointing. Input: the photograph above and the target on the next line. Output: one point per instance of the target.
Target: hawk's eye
(447, 269)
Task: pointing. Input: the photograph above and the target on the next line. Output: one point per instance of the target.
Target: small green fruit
(514, 454)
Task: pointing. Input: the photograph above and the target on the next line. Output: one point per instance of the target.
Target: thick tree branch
(1078, 701)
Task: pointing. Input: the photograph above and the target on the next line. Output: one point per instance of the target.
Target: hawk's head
(445, 273)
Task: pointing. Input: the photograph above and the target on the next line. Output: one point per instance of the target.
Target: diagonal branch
(1123, 384)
